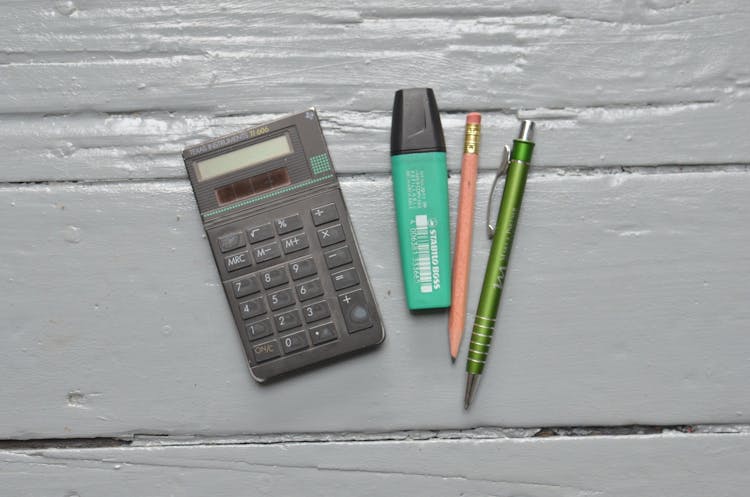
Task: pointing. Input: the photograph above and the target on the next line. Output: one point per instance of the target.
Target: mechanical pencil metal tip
(472, 380)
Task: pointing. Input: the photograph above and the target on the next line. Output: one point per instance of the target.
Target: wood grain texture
(622, 305)
(100, 146)
(101, 90)
(668, 466)
(253, 56)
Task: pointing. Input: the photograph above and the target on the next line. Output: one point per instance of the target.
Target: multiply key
(329, 236)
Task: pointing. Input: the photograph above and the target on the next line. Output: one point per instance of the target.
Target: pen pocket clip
(503, 168)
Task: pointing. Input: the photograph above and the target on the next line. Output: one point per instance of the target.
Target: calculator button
(266, 351)
(287, 320)
(251, 308)
(355, 310)
(237, 261)
(316, 311)
(331, 235)
(259, 233)
(295, 243)
(245, 286)
(231, 241)
(294, 342)
(281, 299)
(302, 268)
(323, 334)
(288, 224)
(267, 252)
(273, 277)
(309, 289)
(259, 329)
(345, 279)
(338, 257)
(324, 214)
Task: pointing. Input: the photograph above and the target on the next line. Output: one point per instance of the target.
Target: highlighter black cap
(416, 123)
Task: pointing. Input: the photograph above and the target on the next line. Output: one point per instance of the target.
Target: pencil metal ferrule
(471, 138)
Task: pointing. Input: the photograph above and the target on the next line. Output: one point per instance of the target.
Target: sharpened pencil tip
(453, 359)
(466, 406)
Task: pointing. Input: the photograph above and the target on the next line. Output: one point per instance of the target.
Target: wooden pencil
(464, 228)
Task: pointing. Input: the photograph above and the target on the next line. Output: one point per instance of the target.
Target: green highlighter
(420, 189)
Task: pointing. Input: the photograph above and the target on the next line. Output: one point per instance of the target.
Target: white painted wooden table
(622, 359)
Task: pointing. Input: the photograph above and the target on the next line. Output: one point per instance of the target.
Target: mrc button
(237, 261)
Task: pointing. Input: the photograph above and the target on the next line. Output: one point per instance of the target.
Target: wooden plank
(148, 145)
(229, 58)
(669, 466)
(625, 303)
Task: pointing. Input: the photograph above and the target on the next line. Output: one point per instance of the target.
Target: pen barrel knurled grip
(479, 346)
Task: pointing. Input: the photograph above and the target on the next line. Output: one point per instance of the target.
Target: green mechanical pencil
(517, 161)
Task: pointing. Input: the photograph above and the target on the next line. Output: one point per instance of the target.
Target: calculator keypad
(299, 282)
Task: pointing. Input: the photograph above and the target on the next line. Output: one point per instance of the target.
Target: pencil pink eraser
(473, 118)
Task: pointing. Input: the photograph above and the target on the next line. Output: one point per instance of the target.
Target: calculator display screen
(244, 157)
(253, 185)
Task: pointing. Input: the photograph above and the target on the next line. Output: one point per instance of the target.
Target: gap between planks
(482, 433)
(657, 169)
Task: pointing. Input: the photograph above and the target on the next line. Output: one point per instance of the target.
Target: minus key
(338, 257)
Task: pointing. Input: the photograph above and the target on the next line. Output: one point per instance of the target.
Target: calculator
(284, 246)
